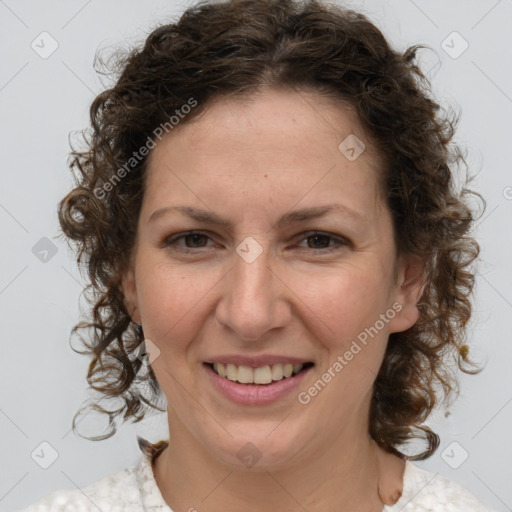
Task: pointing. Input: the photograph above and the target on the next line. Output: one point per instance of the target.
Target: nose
(253, 299)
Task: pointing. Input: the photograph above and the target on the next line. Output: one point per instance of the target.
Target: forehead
(277, 117)
(283, 139)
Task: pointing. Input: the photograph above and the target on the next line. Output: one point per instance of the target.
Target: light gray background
(42, 381)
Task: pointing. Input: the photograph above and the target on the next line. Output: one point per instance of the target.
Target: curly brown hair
(237, 47)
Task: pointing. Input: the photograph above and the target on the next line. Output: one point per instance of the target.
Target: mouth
(263, 376)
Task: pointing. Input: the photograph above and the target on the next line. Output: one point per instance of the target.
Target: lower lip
(255, 394)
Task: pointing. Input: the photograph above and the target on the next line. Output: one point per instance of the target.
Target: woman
(275, 244)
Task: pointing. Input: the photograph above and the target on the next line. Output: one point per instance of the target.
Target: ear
(129, 289)
(410, 286)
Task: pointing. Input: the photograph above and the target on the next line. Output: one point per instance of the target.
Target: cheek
(349, 306)
(347, 301)
(348, 311)
(172, 301)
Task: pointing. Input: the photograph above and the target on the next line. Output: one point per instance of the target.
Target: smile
(263, 385)
(261, 375)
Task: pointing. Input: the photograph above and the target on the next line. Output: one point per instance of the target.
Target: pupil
(322, 239)
(195, 240)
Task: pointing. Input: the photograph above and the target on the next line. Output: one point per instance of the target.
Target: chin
(259, 448)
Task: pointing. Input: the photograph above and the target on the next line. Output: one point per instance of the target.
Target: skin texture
(250, 162)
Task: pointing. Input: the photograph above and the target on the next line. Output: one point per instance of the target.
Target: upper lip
(256, 361)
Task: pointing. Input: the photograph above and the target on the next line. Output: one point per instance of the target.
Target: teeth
(220, 369)
(245, 375)
(277, 372)
(231, 372)
(262, 375)
(297, 368)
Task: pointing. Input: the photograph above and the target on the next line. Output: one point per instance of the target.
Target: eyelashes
(197, 241)
(191, 235)
(323, 237)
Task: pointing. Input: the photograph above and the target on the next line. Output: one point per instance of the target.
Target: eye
(192, 240)
(325, 241)
(195, 240)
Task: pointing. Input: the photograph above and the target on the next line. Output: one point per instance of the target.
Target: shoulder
(131, 490)
(431, 492)
(116, 492)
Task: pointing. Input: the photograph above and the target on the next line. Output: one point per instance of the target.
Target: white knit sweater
(135, 490)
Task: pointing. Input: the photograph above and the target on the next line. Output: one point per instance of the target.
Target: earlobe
(129, 290)
(410, 286)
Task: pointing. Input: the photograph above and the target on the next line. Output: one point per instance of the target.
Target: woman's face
(293, 261)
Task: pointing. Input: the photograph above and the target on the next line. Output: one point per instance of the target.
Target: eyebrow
(293, 217)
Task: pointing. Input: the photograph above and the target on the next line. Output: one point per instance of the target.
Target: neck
(352, 473)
